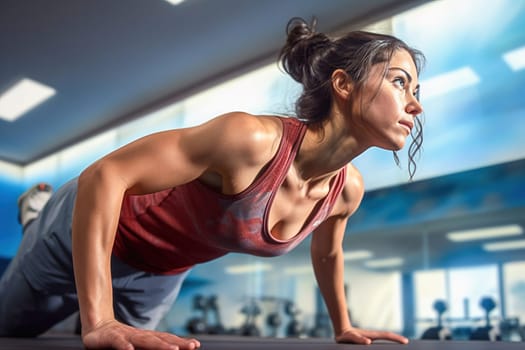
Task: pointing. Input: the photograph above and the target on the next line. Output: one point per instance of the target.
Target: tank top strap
(292, 137)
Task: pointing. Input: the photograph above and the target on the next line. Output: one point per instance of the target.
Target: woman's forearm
(329, 272)
(95, 218)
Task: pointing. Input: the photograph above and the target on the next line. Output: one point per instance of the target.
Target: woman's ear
(341, 84)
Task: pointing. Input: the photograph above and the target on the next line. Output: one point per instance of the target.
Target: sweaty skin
(228, 153)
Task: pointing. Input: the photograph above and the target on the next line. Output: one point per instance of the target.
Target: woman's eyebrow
(409, 77)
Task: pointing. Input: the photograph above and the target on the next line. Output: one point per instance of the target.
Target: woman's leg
(26, 311)
(37, 289)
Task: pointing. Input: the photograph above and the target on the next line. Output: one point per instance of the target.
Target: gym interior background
(404, 249)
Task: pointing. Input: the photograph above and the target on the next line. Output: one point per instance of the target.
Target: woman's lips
(407, 124)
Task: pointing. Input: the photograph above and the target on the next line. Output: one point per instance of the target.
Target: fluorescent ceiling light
(175, 2)
(515, 59)
(22, 97)
(298, 270)
(379, 263)
(485, 233)
(447, 82)
(357, 255)
(507, 245)
(249, 268)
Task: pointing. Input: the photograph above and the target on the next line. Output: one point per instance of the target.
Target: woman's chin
(400, 144)
(395, 146)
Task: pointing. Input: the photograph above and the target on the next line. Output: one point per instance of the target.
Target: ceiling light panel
(175, 2)
(515, 59)
(449, 81)
(248, 268)
(485, 233)
(507, 245)
(298, 270)
(357, 255)
(22, 97)
(383, 263)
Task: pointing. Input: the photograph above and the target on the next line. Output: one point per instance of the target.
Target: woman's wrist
(342, 330)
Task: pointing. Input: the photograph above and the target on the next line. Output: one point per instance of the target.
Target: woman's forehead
(402, 59)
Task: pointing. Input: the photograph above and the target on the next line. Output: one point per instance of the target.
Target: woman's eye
(400, 82)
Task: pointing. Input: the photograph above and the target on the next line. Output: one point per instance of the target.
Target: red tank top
(170, 231)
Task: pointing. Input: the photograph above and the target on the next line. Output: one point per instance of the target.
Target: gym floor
(250, 343)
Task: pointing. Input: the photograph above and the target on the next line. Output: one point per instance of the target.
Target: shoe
(31, 202)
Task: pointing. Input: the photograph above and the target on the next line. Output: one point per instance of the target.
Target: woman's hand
(363, 336)
(115, 335)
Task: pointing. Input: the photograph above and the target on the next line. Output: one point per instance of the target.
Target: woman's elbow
(100, 174)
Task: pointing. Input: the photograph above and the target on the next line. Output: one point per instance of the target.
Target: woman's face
(389, 102)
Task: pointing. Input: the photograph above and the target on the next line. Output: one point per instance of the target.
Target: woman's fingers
(363, 336)
(122, 337)
(146, 340)
(189, 343)
(376, 335)
(353, 337)
(160, 341)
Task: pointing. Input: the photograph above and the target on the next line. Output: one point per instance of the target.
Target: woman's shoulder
(254, 125)
(257, 137)
(353, 191)
(354, 179)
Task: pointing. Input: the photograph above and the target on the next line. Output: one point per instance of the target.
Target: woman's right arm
(135, 168)
(153, 163)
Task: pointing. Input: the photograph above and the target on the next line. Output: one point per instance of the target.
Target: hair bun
(299, 29)
(298, 56)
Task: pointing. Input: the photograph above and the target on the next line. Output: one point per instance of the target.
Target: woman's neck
(325, 149)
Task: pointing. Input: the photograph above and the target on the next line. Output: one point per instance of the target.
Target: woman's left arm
(328, 263)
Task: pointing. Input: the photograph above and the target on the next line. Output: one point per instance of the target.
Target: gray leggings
(37, 290)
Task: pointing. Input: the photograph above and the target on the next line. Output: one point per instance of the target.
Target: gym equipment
(249, 327)
(294, 329)
(438, 332)
(322, 325)
(274, 321)
(511, 330)
(213, 307)
(199, 324)
(486, 332)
